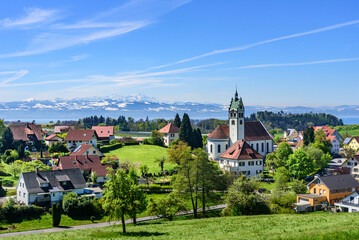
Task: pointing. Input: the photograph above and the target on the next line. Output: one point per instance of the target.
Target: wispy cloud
(15, 76)
(129, 17)
(33, 16)
(245, 47)
(298, 63)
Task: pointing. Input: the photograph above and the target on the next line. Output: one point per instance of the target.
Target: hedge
(128, 143)
(156, 188)
(107, 148)
(14, 213)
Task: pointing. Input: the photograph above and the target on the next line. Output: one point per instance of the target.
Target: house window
(53, 194)
(257, 149)
(320, 191)
(20, 193)
(315, 190)
(94, 152)
(211, 148)
(324, 191)
(262, 147)
(248, 172)
(231, 114)
(24, 194)
(235, 115)
(219, 148)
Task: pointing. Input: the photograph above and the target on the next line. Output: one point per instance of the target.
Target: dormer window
(74, 162)
(84, 134)
(44, 185)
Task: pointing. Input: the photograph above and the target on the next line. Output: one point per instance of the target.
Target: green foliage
(2, 126)
(108, 148)
(166, 207)
(161, 162)
(80, 207)
(283, 199)
(137, 200)
(241, 199)
(14, 168)
(298, 186)
(308, 136)
(56, 214)
(156, 138)
(59, 147)
(110, 160)
(281, 178)
(7, 140)
(186, 132)
(144, 170)
(300, 164)
(208, 125)
(298, 121)
(276, 139)
(279, 159)
(197, 138)
(12, 213)
(113, 141)
(177, 121)
(321, 142)
(31, 166)
(348, 130)
(9, 156)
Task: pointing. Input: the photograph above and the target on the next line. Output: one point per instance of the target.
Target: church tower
(236, 119)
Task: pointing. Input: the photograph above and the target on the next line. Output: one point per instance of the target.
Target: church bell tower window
(233, 122)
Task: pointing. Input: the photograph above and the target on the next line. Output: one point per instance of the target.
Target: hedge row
(14, 213)
(128, 143)
(107, 148)
(155, 188)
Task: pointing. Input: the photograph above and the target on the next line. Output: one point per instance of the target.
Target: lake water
(348, 121)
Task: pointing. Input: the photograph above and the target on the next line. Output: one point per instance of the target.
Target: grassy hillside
(348, 130)
(143, 154)
(292, 226)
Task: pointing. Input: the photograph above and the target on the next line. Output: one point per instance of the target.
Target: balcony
(43, 199)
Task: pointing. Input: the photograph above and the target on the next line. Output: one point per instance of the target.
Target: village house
(170, 133)
(354, 144)
(252, 132)
(353, 165)
(349, 203)
(333, 136)
(291, 135)
(28, 133)
(75, 138)
(87, 163)
(53, 138)
(62, 129)
(86, 149)
(346, 142)
(46, 187)
(329, 189)
(104, 133)
(241, 159)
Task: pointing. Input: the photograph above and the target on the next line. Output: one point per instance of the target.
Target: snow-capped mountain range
(140, 106)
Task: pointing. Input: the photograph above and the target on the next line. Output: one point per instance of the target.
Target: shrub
(147, 141)
(113, 141)
(13, 213)
(7, 183)
(107, 148)
(56, 214)
(80, 207)
(129, 143)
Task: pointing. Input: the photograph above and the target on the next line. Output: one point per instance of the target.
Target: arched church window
(235, 115)
(231, 114)
(233, 122)
(219, 148)
(240, 122)
(257, 149)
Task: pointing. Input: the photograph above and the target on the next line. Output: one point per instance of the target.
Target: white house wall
(233, 166)
(212, 147)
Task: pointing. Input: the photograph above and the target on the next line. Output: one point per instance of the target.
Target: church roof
(221, 132)
(235, 104)
(253, 131)
(241, 150)
(169, 128)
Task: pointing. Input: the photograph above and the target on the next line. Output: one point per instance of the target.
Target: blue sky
(278, 53)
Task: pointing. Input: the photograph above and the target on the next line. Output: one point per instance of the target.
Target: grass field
(348, 130)
(143, 154)
(278, 226)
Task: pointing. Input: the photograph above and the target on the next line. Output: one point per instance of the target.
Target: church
(241, 146)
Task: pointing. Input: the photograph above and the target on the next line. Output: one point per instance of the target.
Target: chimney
(36, 170)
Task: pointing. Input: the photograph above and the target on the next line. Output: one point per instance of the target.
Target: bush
(147, 141)
(12, 213)
(107, 148)
(56, 214)
(129, 143)
(113, 141)
(7, 183)
(155, 188)
(80, 207)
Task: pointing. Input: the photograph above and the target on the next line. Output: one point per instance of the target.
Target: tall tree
(308, 136)
(299, 164)
(137, 198)
(2, 126)
(198, 141)
(156, 138)
(116, 196)
(321, 142)
(177, 121)
(186, 132)
(7, 140)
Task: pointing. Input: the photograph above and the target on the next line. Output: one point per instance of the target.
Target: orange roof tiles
(169, 128)
(241, 150)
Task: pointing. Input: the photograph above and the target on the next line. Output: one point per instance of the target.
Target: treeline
(298, 121)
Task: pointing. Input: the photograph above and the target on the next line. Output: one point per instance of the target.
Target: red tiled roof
(140, 139)
(81, 149)
(254, 131)
(300, 143)
(103, 131)
(241, 150)
(26, 132)
(221, 132)
(79, 135)
(169, 128)
(59, 129)
(51, 137)
(356, 138)
(89, 163)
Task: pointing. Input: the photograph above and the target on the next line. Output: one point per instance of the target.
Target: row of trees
(298, 121)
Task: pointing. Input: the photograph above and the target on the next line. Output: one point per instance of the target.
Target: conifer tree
(186, 132)
(177, 121)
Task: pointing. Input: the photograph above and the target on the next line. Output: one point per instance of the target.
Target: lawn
(143, 154)
(277, 226)
(348, 130)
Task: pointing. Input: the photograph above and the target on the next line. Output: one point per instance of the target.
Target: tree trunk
(203, 201)
(134, 218)
(123, 223)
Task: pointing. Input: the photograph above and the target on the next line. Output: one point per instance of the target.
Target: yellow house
(354, 144)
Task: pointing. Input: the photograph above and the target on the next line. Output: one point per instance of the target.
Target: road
(100, 225)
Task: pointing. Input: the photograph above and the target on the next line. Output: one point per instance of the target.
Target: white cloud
(16, 75)
(122, 105)
(299, 63)
(111, 109)
(33, 16)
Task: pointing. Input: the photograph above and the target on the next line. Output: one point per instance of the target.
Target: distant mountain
(140, 106)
